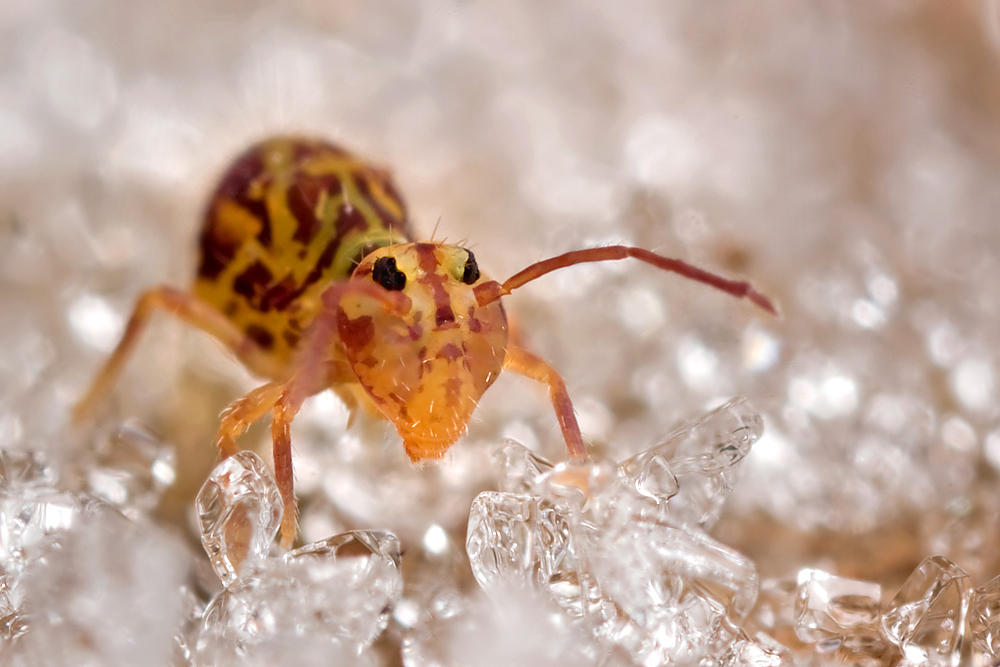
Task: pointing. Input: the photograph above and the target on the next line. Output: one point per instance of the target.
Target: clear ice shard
(516, 628)
(239, 512)
(755, 651)
(657, 589)
(330, 599)
(79, 583)
(131, 469)
(12, 622)
(693, 470)
(33, 514)
(28, 518)
(648, 563)
(651, 474)
(926, 619)
(24, 469)
(516, 539)
(828, 607)
(774, 611)
(984, 621)
(520, 467)
(109, 594)
(364, 563)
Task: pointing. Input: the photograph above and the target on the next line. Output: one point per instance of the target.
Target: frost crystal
(926, 619)
(693, 468)
(239, 510)
(828, 607)
(81, 584)
(515, 628)
(131, 469)
(984, 619)
(588, 537)
(757, 651)
(520, 467)
(516, 539)
(109, 595)
(335, 594)
(28, 518)
(22, 470)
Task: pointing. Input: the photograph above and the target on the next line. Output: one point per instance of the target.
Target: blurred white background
(842, 156)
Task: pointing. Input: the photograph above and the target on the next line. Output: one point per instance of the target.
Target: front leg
(318, 366)
(525, 363)
(285, 410)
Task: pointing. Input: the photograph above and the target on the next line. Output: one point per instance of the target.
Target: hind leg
(190, 309)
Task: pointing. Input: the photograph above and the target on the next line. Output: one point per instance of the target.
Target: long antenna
(491, 291)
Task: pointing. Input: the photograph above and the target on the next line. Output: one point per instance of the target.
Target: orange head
(425, 369)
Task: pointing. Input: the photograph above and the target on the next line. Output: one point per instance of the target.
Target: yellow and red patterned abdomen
(290, 217)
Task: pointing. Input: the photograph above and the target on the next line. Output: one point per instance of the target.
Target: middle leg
(284, 399)
(318, 365)
(240, 414)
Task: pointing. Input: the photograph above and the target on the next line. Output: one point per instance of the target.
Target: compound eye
(471, 273)
(385, 273)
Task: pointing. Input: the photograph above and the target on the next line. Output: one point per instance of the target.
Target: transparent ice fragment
(515, 628)
(193, 610)
(28, 519)
(651, 475)
(520, 467)
(12, 621)
(520, 542)
(680, 590)
(33, 519)
(589, 491)
(657, 590)
(984, 621)
(131, 470)
(110, 594)
(353, 543)
(867, 646)
(775, 608)
(337, 593)
(35, 522)
(20, 469)
(828, 607)
(365, 563)
(926, 619)
(715, 442)
(515, 539)
(239, 512)
(649, 563)
(759, 650)
(693, 468)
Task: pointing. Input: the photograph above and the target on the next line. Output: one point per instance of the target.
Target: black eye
(471, 273)
(385, 273)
